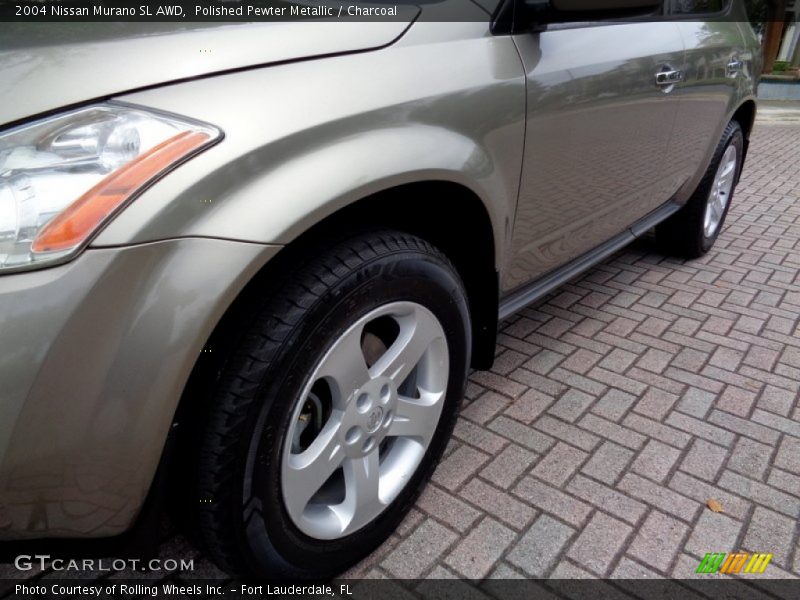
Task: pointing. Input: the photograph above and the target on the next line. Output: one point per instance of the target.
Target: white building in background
(790, 46)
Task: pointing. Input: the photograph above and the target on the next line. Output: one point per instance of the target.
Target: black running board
(530, 293)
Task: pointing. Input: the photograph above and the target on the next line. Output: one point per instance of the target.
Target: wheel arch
(449, 215)
(456, 221)
(745, 115)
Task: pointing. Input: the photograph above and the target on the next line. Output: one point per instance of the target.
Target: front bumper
(94, 356)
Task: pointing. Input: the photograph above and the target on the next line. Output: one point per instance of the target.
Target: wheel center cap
(374, 419)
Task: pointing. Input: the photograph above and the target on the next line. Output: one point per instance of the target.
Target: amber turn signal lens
(79, 220)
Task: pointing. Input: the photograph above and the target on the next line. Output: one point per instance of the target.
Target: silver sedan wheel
(365, 420)
(721, 190)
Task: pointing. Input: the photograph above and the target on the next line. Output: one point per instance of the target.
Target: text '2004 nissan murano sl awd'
(258, 275)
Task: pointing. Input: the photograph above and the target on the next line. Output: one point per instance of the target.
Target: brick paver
(625, 401)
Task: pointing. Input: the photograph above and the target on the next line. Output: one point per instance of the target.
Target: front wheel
(331, 416)
(692, 231)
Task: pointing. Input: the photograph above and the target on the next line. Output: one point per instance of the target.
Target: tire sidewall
(267, 532)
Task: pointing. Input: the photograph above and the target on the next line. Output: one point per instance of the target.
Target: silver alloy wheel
(379, 423)
(721, 190)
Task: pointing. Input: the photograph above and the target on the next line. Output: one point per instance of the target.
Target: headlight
(63, 177)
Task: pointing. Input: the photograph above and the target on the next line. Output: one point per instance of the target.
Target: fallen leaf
(714, 505)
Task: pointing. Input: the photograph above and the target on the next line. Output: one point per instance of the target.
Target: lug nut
(363, 403)
(369, 444)
(353, 435)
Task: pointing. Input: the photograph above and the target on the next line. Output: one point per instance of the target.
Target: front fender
(344, 128)
(277, 205)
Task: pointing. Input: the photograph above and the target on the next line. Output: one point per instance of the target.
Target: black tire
(250, 534)
(683, 234)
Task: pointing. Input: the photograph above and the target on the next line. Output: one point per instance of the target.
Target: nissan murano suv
(252, 264)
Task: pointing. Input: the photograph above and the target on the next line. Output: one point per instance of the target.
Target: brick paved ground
(621, 404)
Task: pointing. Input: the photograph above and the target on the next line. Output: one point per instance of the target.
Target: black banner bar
(386, 589)
(64, 11)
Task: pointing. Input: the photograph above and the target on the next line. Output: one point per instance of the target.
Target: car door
(716, 64)
(598, 129)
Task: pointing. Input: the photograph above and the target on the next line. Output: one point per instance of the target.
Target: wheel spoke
(362, 483)
(313, 467)
(416, 418)
(345, 365)
(716, 208)
(727, 173)
(417, 332)
(727, 170)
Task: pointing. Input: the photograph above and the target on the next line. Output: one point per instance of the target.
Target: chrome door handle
(734, 67)
(669, 77)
